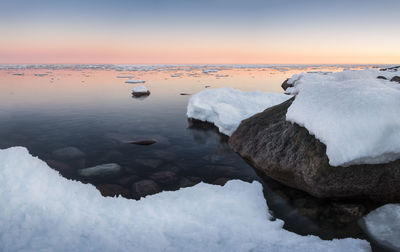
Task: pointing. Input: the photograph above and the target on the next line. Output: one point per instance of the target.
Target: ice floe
(383, 225)
(355, 114)
(134, 81)
(43, 211)
(227, 107)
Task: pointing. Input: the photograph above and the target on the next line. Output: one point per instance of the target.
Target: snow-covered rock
(383, 225)
(43, 211)
(140, 91)
(227, 107)
(134, 81)
(355, 114)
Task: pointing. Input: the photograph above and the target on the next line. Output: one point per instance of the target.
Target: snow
(353, 113)
(134, 81)
(140, 89)
(227, 107)
(383, 225)
(43, 211)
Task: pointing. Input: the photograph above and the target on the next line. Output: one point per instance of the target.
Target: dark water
(93, 111)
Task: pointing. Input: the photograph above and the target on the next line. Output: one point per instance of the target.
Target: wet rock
(150, 163)
(186, 182)
(184, 94)
(381, 77)
(164, 155)
(285, 85)
(220, 181)
(145, 187)
(396, 79)
(140, 94)
(101, 171)
(60, 166)
(112, 190)
(165, 178)
(287, 153)
(144, 142)
(348, 212)
(68, 153)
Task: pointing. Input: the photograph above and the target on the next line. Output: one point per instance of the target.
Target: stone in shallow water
(111, 190)
(144, 142)
(150, 163)
(68, 153)
(165, 178)
(145, 187)
(101, 171)
(60, 166)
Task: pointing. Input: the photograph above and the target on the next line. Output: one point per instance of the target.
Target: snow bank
(353, 113)
(227, 107)
(383, 225)
(42, 211)
(140, 89)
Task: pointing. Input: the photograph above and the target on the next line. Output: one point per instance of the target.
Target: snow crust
(43, 211)
(353, 113)
(383, 225)
(227, 107)
(140, 89)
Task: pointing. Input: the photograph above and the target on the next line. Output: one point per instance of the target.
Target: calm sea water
(93, 110)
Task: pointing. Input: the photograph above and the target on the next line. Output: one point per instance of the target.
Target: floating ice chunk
(43, 211)
(125, 76)
(221, 75)
(353, 113)
(227, 107)
(383, 225)
(210, 70)
(134, 81)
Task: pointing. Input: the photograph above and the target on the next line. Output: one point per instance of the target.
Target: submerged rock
(101, 171)
(145, 187)
(287, 152)
(68, 153)
(112, 190)
(165, 178)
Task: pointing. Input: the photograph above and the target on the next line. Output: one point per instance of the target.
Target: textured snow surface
(227, 107)
(383, 224)
(140, 89)
(356, 115)
(42, 211)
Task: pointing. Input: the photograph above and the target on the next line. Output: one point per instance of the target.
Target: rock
(165, 178)
(285, 85)
(140, 94)
(68, 153)
(150, 163)
(128, 181)
(381, 77)
(184, 94)
(101, 171)
(145, 187)
(112, 190)
(60, 166)
(207, 86)
(287, 153)
(186, 182)
(396, 79)
(220, 181)
(164, 155)
(144, 142)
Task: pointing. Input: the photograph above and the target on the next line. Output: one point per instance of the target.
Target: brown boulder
(288, 153)
(285, 85)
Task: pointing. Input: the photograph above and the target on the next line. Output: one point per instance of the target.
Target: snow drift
(355, 114)
(227, 107)
(42, 211)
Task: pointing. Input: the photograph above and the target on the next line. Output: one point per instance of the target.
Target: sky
(200, 32)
